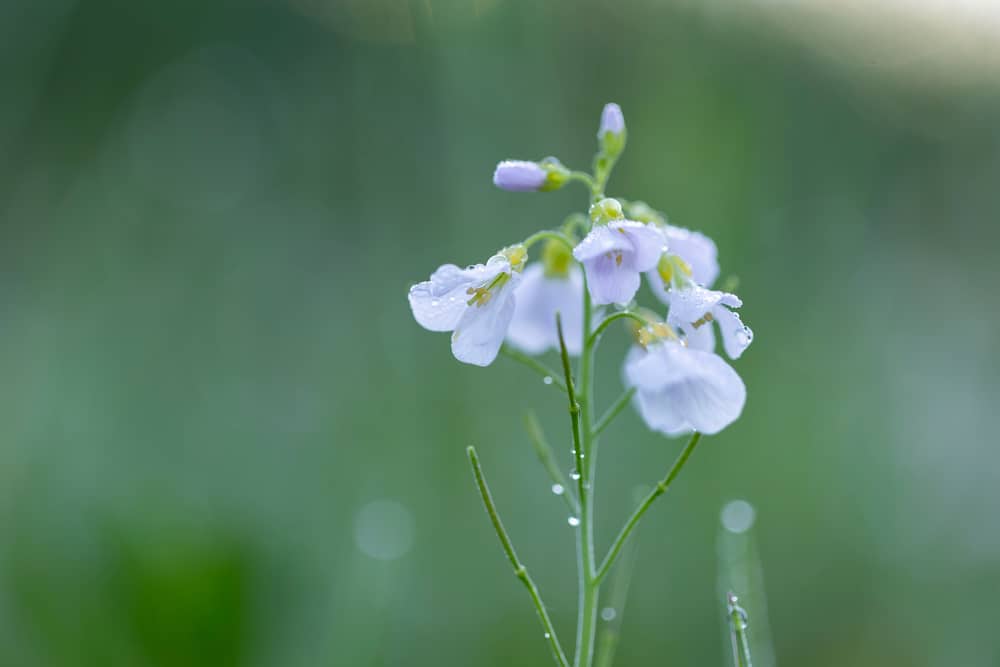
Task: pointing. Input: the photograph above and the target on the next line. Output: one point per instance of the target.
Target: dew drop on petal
(547, 379)
(435, 303)
(743, 337)
(608, 614)
(558, 489)
(573, 521)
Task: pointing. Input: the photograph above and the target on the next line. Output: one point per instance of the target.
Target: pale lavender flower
(693, 309)
(539, 298)
(613, 256)
(519, 176)
(680, 389)
(476, 304)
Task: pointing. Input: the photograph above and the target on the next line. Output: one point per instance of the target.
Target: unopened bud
(605, 211)
(611, 133)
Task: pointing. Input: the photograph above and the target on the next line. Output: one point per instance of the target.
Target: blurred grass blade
(740, 571)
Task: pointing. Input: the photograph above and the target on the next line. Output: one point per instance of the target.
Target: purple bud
(612, 120)
(519, 176)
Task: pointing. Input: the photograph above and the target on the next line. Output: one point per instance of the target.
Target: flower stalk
(520, 309)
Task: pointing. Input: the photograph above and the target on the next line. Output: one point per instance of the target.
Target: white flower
(698, 252)
(694, 308)
(476, 304)
(680, 389)
(613, 255)
(539, 298)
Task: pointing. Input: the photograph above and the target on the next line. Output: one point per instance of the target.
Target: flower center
(481, 295)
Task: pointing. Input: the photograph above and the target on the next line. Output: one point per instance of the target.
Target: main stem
(589, 587)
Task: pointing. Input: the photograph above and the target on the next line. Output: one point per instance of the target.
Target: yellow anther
(666, 270)
(704, 319)
(683, 266)
(618, 259)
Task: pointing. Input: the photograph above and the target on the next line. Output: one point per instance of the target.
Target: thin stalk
(548, 461)
(519, 570)
(613, 410)
(609, 320)
(589, 588)
(657, 491)
(549, 376)
(738, 628)
(547, 235)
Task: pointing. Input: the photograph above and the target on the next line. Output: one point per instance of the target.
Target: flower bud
(519, 176)
(556, 259)
(524, 176)
(611, 133)
(605, 211)
(556, 174)
(643, 212)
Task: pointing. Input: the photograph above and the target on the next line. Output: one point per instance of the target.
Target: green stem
(547, 235)
(609, 320)
(657, 491)
(519, 570)
(738, 627)
(613, 410)
(547, 459)
(589, 588)
(549, 375)
(583, 177)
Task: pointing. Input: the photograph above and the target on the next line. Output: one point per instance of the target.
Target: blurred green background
(224, 441)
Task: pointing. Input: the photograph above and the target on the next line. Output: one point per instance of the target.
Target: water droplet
(547, 636)
(608, 614)
(573, 521)
(547, 379)
(435, 303)
(738, 516)
(574, 475)
(744, 336)
(558, 489)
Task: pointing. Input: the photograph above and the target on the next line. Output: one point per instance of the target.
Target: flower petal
(682, 387)
(701, 337)
(712, 394)
(481, 329)
(600, 241)
(697, 250)
(539, 298)
(611, 281)
(690, 304)
(736, 336)
(438, 303)
(648, 243)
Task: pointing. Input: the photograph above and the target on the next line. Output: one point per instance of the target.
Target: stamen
(704, 319)
(618, 259)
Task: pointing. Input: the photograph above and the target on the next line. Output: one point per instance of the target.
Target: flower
(612, 120)
(476, 304)
(698, 252)
(693, 309)
(614, 254)
(519, 176)
(681, 389)
(540, 296)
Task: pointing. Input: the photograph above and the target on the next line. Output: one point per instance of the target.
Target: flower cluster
(592, 264)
